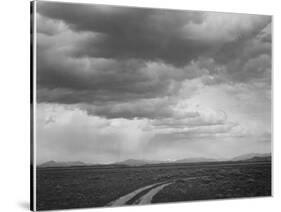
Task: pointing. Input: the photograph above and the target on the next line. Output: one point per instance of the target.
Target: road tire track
(124, 199)
(135, 199)
(147, 198)
(145, 194)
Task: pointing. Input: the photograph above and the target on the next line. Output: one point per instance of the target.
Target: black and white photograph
(138, 105)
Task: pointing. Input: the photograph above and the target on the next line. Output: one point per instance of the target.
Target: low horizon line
(146, 160)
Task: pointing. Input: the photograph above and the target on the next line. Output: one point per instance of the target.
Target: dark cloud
(176, 37)
(238, 56)
(70, 80)
(67, 80)
(158, 108)
(108, 58)
(247, 45)
(130, 32)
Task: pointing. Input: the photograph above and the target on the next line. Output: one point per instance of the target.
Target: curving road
(143, 195)
(147, 198)
(124, 199)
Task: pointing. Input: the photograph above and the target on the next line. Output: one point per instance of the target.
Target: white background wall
(14, 104)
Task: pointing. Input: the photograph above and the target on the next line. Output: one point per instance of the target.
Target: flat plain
(97, 186)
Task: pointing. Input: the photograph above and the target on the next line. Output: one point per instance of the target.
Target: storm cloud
(171, 76)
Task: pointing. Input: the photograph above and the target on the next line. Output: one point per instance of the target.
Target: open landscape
(117, 185)
(140, 105)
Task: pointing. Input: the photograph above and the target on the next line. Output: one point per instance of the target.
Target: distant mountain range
(195, 160)
(133, 162)
(52, 163)
(253, 157)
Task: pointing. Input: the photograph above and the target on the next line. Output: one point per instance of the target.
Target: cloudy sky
(115, 83)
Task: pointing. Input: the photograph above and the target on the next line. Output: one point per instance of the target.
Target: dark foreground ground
(75, 187)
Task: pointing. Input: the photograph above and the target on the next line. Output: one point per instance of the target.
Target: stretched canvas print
(135, 106)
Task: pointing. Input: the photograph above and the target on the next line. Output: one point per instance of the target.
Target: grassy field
(223, 182)
(62, 188)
